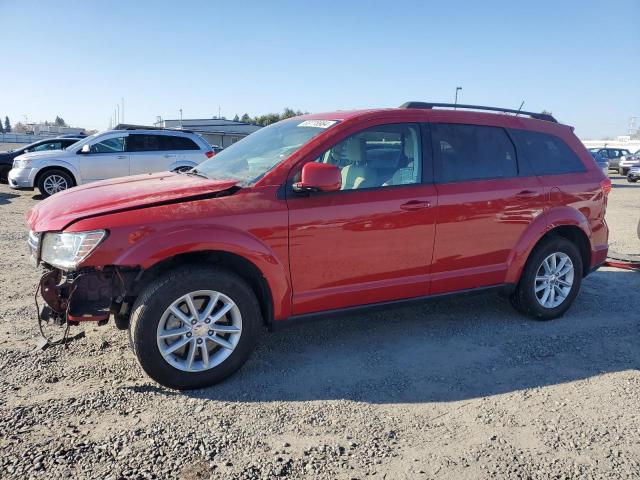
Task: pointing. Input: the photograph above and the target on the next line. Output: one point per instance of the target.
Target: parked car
(628, 161)
(612, 155)
(6, 158)
(319, 215)
(634, 174)
(601, 162)
(111, 154)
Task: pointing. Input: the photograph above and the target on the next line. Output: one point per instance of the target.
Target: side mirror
(319, 177)
(85, 149)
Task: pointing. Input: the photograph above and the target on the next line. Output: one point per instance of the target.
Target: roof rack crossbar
(428, 105)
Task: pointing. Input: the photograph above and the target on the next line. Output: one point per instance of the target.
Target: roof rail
(126, 126)
(427, 105)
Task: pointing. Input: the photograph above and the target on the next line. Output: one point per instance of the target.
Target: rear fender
(543, 224)
(164, 245)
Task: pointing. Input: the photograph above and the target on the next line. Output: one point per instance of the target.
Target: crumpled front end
(84, 295)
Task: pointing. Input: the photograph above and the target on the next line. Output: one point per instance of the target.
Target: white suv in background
(116, 153)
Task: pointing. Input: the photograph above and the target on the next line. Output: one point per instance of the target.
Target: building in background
(53, 130)
(217, 131)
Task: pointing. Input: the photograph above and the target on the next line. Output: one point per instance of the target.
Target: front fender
(155, 247)
(36, 169)
(543, 224)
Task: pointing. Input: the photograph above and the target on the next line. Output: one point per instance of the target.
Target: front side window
(252, 157)
(547, 154)
(110, 145)
(381, 156)
(472, 152)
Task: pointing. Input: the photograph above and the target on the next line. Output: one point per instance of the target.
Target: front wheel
(193, 327)
(54, 181)
(550, 280)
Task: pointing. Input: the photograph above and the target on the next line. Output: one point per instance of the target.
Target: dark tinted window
(470, 152)
(143, 143)
(546, 154)
(178, 143)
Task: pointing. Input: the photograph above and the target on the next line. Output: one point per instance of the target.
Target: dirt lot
(453, 389)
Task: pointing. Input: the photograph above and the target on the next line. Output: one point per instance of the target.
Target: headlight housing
(67, 249)
(22, 163)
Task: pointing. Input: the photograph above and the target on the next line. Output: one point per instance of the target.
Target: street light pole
(180, 118)
(456, 100)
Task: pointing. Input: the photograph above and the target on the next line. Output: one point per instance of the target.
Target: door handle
(527, 194)
(415, 205)
(121, 157)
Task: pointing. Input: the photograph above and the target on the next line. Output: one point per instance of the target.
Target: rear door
(486, 200)
(106, 158)
(147, 153)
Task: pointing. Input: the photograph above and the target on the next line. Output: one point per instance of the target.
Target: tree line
(22, 128)
(269, 118)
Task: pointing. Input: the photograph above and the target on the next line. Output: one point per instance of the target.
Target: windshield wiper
(195, 172)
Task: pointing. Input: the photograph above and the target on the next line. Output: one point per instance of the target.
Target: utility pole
(122, 100)
(218, 111)
(456, 100)
(180, 118)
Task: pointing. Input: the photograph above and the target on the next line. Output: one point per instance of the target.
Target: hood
(120, 194)
(38, 155)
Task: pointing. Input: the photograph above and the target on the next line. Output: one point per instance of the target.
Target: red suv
(322, 214)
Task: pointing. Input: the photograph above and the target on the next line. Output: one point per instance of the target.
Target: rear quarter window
(546, 154)
(178, 143)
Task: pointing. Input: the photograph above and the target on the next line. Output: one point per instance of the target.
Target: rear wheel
(182, 169)
(550, 280)
(632, 180)
(54, 181)
(194, 327)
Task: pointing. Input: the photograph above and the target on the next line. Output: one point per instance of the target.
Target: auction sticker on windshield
(318, 123)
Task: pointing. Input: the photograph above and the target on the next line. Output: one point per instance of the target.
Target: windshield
(82, 142)
(252, 157)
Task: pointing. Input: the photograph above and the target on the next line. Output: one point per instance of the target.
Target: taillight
(210, 153)
(605, 186)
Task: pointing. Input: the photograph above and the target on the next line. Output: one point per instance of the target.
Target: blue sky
(578, 59)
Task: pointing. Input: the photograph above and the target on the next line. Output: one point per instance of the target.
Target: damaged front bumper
(84, 295)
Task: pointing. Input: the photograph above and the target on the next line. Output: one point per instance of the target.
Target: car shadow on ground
(441, 351)
(38, 196)
(5, 198)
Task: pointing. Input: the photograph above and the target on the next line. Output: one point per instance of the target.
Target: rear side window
(143, 143)
(546, 154)
(178, 143)
(472, 152)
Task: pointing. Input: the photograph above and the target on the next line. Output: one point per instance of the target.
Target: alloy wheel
(199, 330)
(54, 184)
(554, 280)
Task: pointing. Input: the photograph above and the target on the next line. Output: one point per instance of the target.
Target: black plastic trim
(504, 289)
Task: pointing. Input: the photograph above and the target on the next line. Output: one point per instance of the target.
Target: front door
(105, 159)
(371, 241)
(486, 201)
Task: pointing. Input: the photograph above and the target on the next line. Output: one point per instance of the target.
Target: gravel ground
(453, 389)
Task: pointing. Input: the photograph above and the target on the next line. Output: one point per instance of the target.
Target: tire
(4, 174)
(54, 181)
(525, 299)
(152, 306)
(182, 169)
(632, 180)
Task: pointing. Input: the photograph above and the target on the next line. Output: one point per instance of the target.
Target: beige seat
(357, 174)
